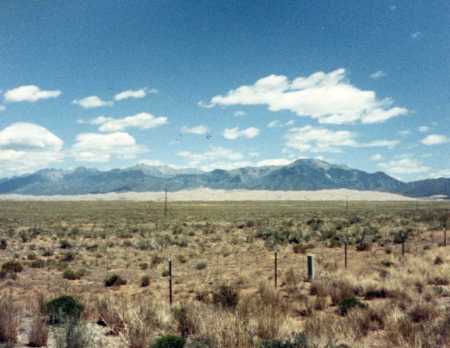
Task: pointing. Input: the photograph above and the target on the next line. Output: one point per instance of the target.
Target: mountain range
(303, 174)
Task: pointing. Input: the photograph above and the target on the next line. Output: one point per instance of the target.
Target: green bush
(12, 267)
(363, 246)
(114, 280)
(63, 309)
(38, 263)
(298, 341)
(169, 342)
(145, 281)
(65, 244)
(200, 342)
(70, 274)
(201, 265)
(226, 296)
(349, 303)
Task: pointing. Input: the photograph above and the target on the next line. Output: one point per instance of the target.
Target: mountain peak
(317, 163)
(162, 170)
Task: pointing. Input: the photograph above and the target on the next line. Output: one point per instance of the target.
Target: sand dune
(205, 194)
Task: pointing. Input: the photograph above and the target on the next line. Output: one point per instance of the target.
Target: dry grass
(38, 334)
(223, 267)
(9, 319)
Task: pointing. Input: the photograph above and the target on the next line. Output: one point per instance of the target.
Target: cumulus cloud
(97, 147)
(204, 105)
(25, 147)
(29, 93)
(213, 158)
(377, 157)
(24, 135)
(236, 133)
(279, 124)
(213, 153)
(404, 166)
(134, 94)
(217, 157)
(239, 113)
(143, 120)
(197, 130)
(423, 129)
(92, 102)
(378, 75)
(326, 97)
(316, 139)
(435, 139)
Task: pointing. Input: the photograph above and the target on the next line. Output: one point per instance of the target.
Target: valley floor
(223, 259)
(206, 194)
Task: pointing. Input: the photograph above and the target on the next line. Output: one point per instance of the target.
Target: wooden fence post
(445, 236)
(311, 270)
(275, 266)
(170, 283)
(403, 247)
(345, 254)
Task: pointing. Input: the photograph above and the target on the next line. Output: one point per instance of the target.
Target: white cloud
(314, 139)
(326, 97)
(435, 139)
(197, 130)
(379, 143)
(134, 94)
(96, 147)
(289, 123)
(24, 135)
(377, 157)
(378, 75)
(279, 124)
(215, 157)
(273, 124)
(204, 105)
(25, 147)
(404, 132)
(404, 166)
(142, 120)
(274, 162)
(149, 162)
(423, 129)
(213, 153)
(239, 113)
(92, 102)
(29, 93)
(440, 173)
(2, 108)
(235, 133)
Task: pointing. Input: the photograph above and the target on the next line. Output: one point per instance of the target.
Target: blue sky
(224, 84)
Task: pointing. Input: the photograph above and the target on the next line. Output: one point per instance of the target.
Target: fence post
(276, 269)
(403, 247)
(445, 236)
(345, 254)
(311, 270)
(170, 283)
